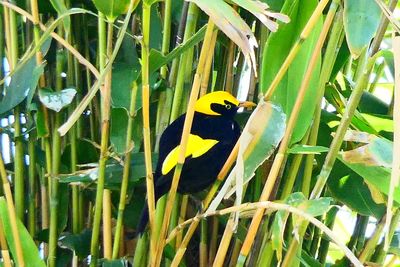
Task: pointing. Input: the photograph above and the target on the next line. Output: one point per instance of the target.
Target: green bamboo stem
(125, 175)
(185, 135)
(380, 254)
(181, 29)
(165, 99)
(12, 214)
(146, 121)
(325, 242)
(280, 157)
(166, 34)
(331, 51)
(32, 184)
(203, 244)
(185, 61)
(107, 225)
(105, 117)
(372, 242)
(229, 68)
(208, 65)
(55, 169)
(293, 171)
(19, 162)
(2, 50)
(182, 215)
(378, 75)
(213, 240)
(295, 49)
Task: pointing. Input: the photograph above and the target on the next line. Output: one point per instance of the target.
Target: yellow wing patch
(196, 147)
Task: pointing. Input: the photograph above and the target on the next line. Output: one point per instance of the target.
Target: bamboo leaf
(349, 188)
(61, 8)
(361, 20)
(79, 243)
(23, 82)
(276, 50)
(230, 23)
(30, 251)
(56, 100)
(113, 172)
(157, 60)
(113, 8)
(260, 10)
(305, 149)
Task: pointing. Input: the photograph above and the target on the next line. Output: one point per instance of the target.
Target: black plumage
(198, 173)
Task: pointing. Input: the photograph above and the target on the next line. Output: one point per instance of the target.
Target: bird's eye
(228, 106)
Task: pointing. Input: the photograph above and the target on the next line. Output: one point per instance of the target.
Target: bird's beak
(247, 104)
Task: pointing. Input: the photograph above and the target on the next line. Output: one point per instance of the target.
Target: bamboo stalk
(146, 122)
(5, 254)
(125, 175)
(11, 213)
(185, 61)
(331, 51)
(296, 48)
(55, 169)
(185, 135)
(105, 131)
(276, 166)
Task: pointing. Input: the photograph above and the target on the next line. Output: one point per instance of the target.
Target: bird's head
(220, 103)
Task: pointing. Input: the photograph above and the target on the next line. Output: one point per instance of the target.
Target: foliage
(321, 142)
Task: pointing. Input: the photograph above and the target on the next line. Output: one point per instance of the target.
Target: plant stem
(11, 212)
(125, 175)
(5, 254)
(331, 51)
(105, 116)
(146, 121)
(185, 61)
(19, 161)
(55, 170)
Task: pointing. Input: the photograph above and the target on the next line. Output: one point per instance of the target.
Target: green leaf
(379, 122)
(112, 8)
(56, 100)
(119, 125)
(114, 172)
(306, 149)
(361, 19)
(30, 251)
(23, 82)
(275, 52)
(80, 243)
(123, 76)
(150, 2)
(349, 188)
(61, 8)
(270, 123)
(157, 60)
(114, 263)
(86, 153)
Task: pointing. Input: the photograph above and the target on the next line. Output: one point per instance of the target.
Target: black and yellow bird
(212, 137)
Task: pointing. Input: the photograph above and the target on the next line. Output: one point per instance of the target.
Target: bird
(212, 137)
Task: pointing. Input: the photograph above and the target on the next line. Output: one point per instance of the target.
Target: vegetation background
(87, 88)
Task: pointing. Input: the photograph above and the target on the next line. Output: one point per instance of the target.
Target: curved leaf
(56, 100)
(361, 20)
(112, 8)
(30, 251)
